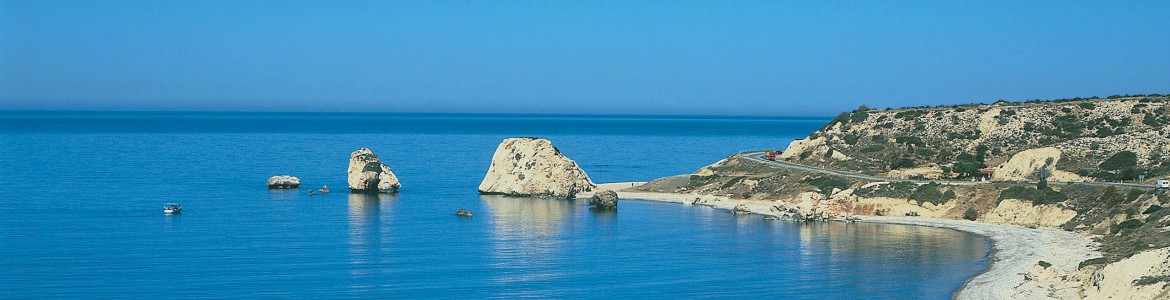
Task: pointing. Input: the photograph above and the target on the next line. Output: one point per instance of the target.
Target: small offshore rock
(324, 189)
(367, 174)
(605, 199)
(463, 213)
(283, 182)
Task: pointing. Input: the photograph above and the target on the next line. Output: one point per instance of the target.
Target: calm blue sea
(80, 214)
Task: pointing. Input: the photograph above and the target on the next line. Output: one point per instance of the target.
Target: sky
(797, 58)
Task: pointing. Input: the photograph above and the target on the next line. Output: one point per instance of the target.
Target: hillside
(1114, 139)
(1067, 141)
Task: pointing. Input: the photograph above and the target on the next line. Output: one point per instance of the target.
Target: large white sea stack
(367, 174)
(533, 167)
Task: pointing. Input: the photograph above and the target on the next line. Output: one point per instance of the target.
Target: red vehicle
(770, 155)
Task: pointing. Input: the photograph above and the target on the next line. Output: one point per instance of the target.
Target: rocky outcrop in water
(605, 200)
(283, 182)
(367, 174)
(533, 167)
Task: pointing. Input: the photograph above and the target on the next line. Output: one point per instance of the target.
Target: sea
(81, 214)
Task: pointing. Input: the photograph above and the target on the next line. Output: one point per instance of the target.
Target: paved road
(758, 156)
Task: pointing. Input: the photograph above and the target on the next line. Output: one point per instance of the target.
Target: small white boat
(172, 208)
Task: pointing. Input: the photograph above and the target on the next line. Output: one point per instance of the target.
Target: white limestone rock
(533, 167)
(367, 174)
(283, 182)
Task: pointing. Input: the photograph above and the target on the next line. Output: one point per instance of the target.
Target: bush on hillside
(930, 193)
(826, 184)
(1037, 196)
(971, 214)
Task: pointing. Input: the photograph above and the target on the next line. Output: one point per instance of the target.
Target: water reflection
(527, 236)
(843, 250)
(284, 194)
(366, 230)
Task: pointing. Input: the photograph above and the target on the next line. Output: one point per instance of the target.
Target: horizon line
(5, 111)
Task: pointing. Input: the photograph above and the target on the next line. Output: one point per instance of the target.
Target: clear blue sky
(652, 57)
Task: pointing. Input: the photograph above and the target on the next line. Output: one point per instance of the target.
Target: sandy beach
(1017, 249)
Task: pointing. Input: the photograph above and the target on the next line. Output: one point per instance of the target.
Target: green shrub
(1120, 160)
(909, 114)
(1038, 197)
(1148, 280)
(873, 148)
(1092, 261)
(858, 116)
(912, 140)
(891, 190)
(925, 152)
(826, 184)
(967, 165)
(841, 118)
(1120, 166)
(902, 163)
(730, 183)
(971, 214)
(930, 193)
(1088, 105)
(1152, 209)
(851, 139)
(1125, 225)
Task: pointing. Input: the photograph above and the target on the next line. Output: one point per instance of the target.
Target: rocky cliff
(367, 174)
(533, 167)
(1071, 139)
(1145, 275)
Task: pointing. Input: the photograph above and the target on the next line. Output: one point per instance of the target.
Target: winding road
(758, 156)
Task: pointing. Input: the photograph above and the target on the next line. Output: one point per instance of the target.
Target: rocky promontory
(533, 167)
(367, 174)
(1079, 171)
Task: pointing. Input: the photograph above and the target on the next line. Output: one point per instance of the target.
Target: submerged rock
(283, 182)
(533, 167)
(605, 199)
(367, 174)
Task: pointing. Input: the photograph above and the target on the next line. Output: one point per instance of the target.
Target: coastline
(1011, 269)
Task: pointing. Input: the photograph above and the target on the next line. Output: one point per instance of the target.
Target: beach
(1012, 273)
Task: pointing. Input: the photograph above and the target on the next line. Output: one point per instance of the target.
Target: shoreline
(1014, 253)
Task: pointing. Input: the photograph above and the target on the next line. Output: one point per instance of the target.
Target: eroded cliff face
(1145, 275)
(1026, 166)
(367, 174)
(533, 167)
(1022, 213)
